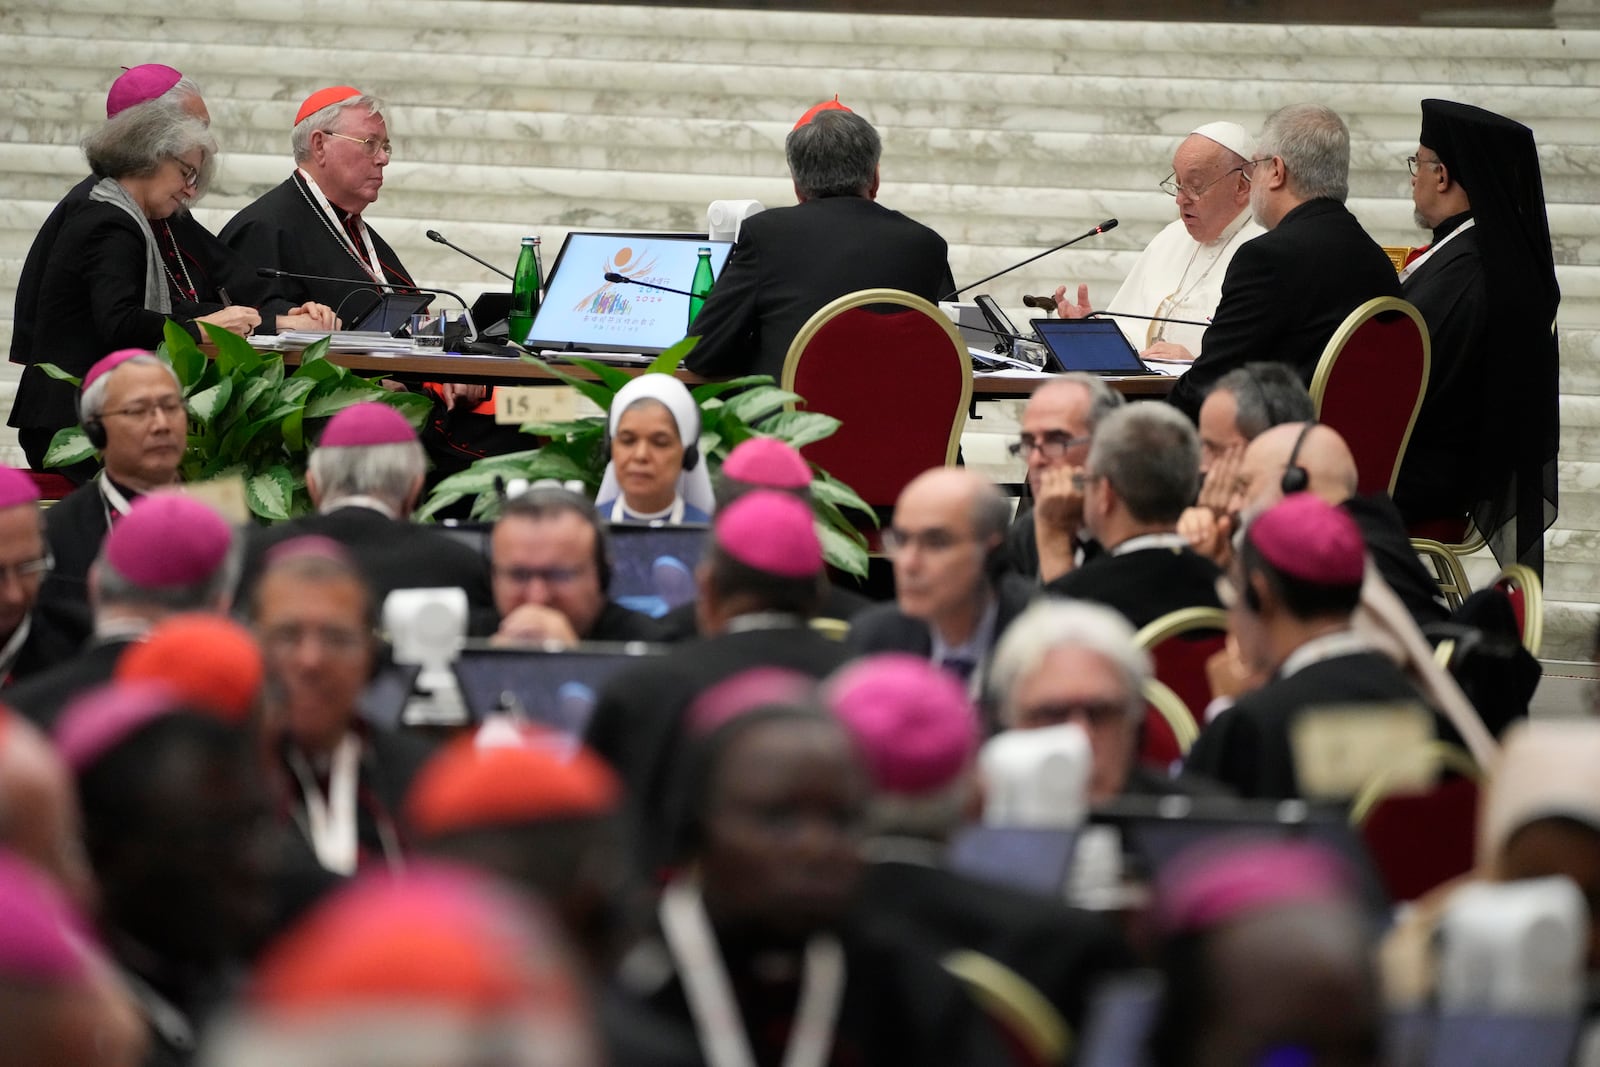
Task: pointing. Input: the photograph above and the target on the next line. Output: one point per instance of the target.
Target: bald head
(39, 809)
(946, 523)
(959, 488)
(1329, 466)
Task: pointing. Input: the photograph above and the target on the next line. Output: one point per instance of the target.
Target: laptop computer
(557, 689)
(1093, 345)
(582, 312)
(652, 567)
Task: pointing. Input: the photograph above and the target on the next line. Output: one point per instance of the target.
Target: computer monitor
(652, 567)
(556, 688)
(582, 312)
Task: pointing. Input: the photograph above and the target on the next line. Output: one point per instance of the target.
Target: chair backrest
(1179, 644)
(898, 382)
(1370, 383)
(1421, 840)
(1029, 1024)
(1448, 573)
(1162, 702)
(1521, 585)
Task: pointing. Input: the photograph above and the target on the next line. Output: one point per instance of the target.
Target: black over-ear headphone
(93, 429)
(1295, 477)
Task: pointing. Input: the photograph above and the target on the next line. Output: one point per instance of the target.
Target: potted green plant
(248, 415)
(730, 412)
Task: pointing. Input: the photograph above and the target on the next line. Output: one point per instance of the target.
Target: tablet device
(1093, 345)
(1032, 859)
(557, 689)
(390, 313)
(652, 567)
(583, 312)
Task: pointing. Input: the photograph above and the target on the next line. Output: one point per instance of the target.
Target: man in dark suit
(953, 598)
(1295, 586)
(364, 476)
(918, 735)
(1287, 291)
(1143, 470)
(761, 581)
(31, 637)
(789, 262)
(168, 555)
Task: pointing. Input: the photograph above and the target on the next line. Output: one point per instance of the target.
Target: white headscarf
(1545, 769)
(694, 485)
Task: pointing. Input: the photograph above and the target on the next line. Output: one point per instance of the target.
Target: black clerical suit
(91, 301)
(54, 635)
(1384, 534)
(637, 721)
(1143, 584)
(790, 261)
(1439, 476)
(43, 697)
(392, 553)
(1285, 294)
(75, 529)
(1247, 747)
(286, 230)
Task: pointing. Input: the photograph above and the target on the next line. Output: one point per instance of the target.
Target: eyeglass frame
(370, 145)
(550, 576)
(938, 539)
(190, 175)
(1061, 440)
(1173, 189)
(1414, 164)
(1251, 164)
(38, 567)
(143, 412)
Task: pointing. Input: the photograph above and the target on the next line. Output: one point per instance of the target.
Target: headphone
(1295, 477)
(93, 429)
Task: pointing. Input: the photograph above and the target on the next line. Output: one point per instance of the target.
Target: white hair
(324, 118)
(388, 472)
(93, 401)
(1053, 624)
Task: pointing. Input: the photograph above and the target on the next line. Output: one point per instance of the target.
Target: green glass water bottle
(700, 288)
(525, 290)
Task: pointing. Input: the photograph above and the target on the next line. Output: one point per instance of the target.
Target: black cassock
(1144, 584)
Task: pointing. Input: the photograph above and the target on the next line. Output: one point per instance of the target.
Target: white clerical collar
(1326, 647)
(333, 218)
(13, 646)
(1174, 541)
(764, 620)
(1231, 230)
(672, 514)
(358, 500)
(330, 819)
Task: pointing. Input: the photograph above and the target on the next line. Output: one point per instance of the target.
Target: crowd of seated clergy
(797, 827)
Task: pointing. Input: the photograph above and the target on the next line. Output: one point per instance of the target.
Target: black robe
(637, 725)
(1247, 747)
(1143, 585)
(75, 529)
(1439, 476)
(284, 230)
(1390, 546)
(44, 696)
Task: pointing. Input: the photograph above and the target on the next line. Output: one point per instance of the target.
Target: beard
(1421, 220)
(1257, 206)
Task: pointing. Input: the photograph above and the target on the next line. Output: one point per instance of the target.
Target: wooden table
(502, 370)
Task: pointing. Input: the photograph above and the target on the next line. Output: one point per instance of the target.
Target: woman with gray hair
(117, 271)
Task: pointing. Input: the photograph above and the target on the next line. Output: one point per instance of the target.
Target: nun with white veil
(656, 473)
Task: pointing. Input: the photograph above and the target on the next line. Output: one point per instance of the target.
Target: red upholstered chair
(893, 370)
(1521, 586)
(1421, 840)
(1179, 644)
(52, 487)
(1369, 386)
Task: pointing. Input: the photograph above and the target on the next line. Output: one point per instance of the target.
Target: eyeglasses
(142, 412)
(1087, 712)
(1172, 188)
(1053, 446)
(1251, 164)
(191, 175)
(370, 145)
(934, 540)
(288, 636)
(547, 575)
(28, 569)
(1413, 164)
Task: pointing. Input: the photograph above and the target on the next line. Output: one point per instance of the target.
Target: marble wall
(1006, 135)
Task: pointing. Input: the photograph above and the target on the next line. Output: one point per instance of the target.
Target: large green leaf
(293, 429)
(204, 405)
(272, 369)
(830, 514)
(435, 504)
(254, 396)
(841, 552)
(595, 391)
(670, 357)
(270, 493)
(800, 428)
(609, 376)
(53, 371)
(178, 347)
(234, 354)
(825, 486)
(333, 396)
(711, 390)
(414, 406)
(709, 442)
(575, 428)
(758, 402)
(68, 446)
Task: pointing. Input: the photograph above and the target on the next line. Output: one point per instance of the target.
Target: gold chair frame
(1449, 757)
(1448, 573)
(1527, 579)
(1178, 622)
(1173, 711)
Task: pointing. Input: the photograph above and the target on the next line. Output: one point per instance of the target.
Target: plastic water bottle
(700, 288)
(525, 290)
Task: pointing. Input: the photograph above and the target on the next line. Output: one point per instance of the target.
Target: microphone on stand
(622, 279)
(1048, 303)
(1104, 227)
(437, 237)
(472, 329)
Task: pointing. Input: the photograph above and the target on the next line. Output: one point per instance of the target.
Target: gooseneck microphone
(438, 238)
(271, 272)
(622, 279)
(1104, 227)
(1048, 303)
